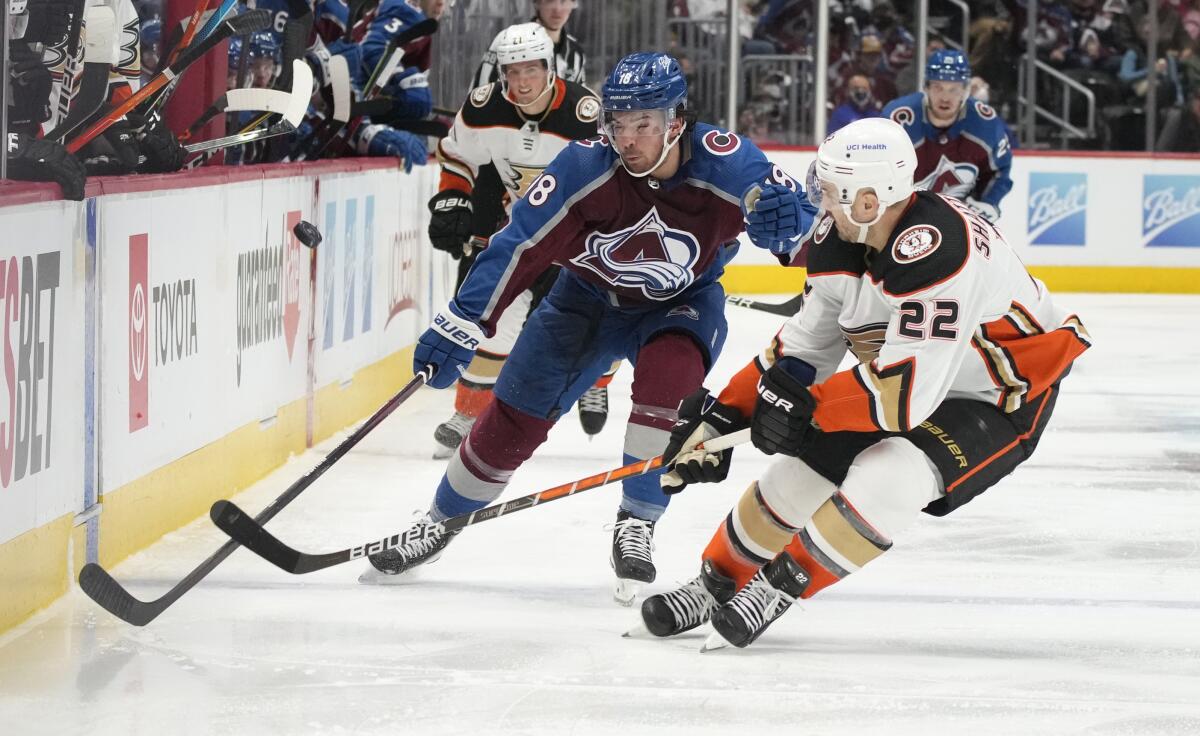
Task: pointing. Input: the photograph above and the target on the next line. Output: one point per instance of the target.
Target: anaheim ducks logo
(824, 227)
(915, 243)
(481, 94)
(588, 109)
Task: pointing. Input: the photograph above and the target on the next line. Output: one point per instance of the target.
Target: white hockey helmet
(872, 153)
(524, 42)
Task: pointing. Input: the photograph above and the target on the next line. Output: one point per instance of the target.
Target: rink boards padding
(171, 343)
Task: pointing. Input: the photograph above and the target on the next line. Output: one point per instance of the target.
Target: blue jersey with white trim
(971, 158)
(641, 240)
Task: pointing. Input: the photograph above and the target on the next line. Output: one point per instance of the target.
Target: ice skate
(633, 541)
(593, 410)
(450, 434)
(688, 606)
(428, 539)
(765, 598)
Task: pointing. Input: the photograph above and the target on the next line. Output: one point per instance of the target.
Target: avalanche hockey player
(960, 352)
(518, 125)
(643, 220)
(962, 145)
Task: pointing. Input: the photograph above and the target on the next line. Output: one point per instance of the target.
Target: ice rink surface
(1066, 600)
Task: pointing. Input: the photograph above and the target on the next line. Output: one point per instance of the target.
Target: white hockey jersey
(491, 129)
(947, 310)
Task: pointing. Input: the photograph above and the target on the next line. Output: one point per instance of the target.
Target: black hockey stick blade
(242, 529)
(785, 309)
(101, 587)
(424, 28)
(421, 127)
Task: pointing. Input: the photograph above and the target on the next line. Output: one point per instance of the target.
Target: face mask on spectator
(860, 96)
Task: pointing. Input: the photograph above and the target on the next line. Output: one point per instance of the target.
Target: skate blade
(625, 591)
(714, 642)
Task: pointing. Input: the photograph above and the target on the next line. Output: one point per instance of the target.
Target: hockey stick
(103, 588)
(99, 54)
(241, 527)
(387, 65)
(786, 309)
(283, 127)
(291, 105)
(190, 33)
(250, 22)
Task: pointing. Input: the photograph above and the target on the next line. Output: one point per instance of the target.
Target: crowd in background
(1101, 44)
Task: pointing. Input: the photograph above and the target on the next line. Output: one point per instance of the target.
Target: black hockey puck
(307, 233)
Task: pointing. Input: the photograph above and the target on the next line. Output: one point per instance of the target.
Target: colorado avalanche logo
(952, 179)
(649, 256)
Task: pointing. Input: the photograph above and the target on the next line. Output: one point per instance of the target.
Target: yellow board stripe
(766, 279)
(34, 566)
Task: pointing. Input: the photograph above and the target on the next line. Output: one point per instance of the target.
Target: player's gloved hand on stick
(782, 421)
(382, 140)
(448, 345)
(989, 212)
(775, 219)
(701, 418)
(450, 223)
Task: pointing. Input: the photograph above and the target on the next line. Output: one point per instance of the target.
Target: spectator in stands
(860, 103)
(1181, 131)
(870, 64)
(899, 45)
(1135, 70)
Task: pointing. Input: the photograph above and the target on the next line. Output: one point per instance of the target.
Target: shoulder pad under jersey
(828, 254)
(486, 106)
(724, 160)
(928, 247)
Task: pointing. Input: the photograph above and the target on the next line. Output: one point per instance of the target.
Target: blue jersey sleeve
(986, 126)
(543, 222)
(393, 17)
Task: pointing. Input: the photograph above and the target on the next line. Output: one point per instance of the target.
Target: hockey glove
(782, 421)
(448, 345)
(381, 140)
(774, 218)
(159, 151)
(989, 212)
(411, 98)
(112, 153)
(701, 418)
(450, 223)
(32, 159)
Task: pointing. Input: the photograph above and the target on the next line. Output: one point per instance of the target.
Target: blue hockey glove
(411, 98)
(448, 345)
(774, 218)
(381, 140)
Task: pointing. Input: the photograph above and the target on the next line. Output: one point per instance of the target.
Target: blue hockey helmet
(948, 65)
(643, 96)
(645, 81)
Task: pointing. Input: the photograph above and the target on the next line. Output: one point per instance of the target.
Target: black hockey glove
(701, 418)
(782, 421)
(450, 223)
(112, 153)
(32, 159)
(159, 151)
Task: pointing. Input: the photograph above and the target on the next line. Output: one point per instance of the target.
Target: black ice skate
(427, 540)
(765, 598)
(632, 543)
(685, 608)
(450, 434)
(593, 410)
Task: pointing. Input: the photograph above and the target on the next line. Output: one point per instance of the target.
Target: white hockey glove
(989, 212)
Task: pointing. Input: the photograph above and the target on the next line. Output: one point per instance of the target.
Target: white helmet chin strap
(667, 146)
(863, 227)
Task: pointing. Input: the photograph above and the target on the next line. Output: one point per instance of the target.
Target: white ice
(1066, 600)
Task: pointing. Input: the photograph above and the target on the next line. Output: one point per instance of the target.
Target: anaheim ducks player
(519, 125)
(960, 356)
